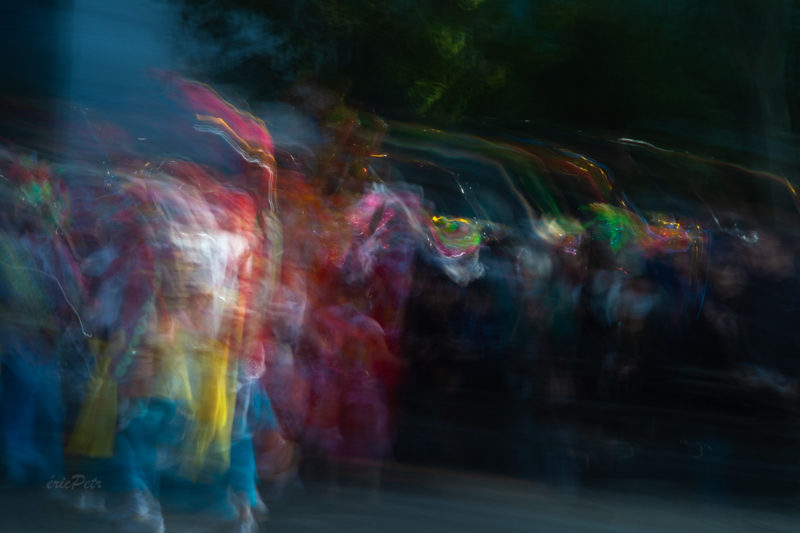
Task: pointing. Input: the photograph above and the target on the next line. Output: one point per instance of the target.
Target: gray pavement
(417, 500)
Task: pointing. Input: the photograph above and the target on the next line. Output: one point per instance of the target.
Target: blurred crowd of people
(222, 315)
(578, 351)
(204, 319)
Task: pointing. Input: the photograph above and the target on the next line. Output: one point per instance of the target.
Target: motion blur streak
(211, 301)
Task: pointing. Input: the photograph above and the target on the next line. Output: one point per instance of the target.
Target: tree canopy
(615, 64)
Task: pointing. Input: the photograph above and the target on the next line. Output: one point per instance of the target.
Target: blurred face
(199, 305)
(771, 257)
(730, 279)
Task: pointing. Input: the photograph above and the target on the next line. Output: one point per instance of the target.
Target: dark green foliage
(612, 63)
